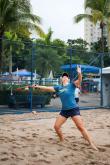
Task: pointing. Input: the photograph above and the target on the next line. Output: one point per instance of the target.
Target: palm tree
(100, 13)
(46, 38)
(47, 59)
(16, 15)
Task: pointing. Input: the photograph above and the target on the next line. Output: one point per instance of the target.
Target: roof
(84, 68)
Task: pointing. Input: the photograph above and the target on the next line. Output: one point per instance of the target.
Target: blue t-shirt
(66, 94)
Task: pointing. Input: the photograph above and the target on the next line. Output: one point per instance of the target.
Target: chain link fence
(24, 63)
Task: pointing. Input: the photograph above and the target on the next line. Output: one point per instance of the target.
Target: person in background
(77, 93)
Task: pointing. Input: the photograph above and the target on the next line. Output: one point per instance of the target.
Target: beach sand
(29, 139)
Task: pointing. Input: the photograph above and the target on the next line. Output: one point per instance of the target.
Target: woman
(69, 107)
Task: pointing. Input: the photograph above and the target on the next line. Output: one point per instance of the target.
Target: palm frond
(95, 4)
(79, 17)
(28, 17)
(97, 16)
(48, 35)
(108, 25)
(32, 27)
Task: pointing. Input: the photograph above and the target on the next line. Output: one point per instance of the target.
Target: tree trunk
(1, 53)
(1, 48)
(102, 24)
(10, 61)
(102, 61)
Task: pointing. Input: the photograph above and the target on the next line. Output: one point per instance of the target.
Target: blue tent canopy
(24, 72)
(84, 68)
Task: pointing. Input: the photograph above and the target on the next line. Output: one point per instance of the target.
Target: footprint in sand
(91, 152)
(59, 149)
(107, 145)
(24, 146)
(14, 154)
(11, 140)
(35, 135)
(82, 147)
(15, 146)
(108, 126)
(4, 153)
(50, 138)
(25, 138)
(4, 159)
(43, 154)
(43, 161)
(34, 154)
(13, 128)
(102, 149)
(74, 145)
(93, 163)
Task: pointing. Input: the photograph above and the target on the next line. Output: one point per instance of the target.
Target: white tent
(51, 75)
(106, 70)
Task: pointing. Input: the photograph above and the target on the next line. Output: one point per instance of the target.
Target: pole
(102, 61)
(31, 90)
(101, 94)
(70, 64)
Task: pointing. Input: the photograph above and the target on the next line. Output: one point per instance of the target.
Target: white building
(92, 33)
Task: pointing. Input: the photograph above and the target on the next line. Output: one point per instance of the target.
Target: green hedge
(4, 95)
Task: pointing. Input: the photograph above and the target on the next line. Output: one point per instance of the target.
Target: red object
(19, 89)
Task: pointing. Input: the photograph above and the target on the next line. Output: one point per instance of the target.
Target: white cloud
(58, 14)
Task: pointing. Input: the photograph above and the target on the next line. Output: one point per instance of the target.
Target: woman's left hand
(78, 69)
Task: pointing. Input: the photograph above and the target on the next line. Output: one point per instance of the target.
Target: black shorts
(77, 100)
(70, 112)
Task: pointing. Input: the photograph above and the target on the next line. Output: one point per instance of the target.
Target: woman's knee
(81, 128)
(56, 127)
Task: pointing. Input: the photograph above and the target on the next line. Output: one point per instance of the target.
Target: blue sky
(58, 14)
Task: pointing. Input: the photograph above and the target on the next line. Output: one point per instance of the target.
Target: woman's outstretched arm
(44, 88)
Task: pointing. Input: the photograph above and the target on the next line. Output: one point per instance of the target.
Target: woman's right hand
(35, 86)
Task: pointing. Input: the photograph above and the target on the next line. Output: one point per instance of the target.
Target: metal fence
(28, 62)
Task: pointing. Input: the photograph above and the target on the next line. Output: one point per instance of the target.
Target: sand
(29, 139)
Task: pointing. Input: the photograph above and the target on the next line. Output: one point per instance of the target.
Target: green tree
(48, 37)
(60, 46)
(79, 51)
(96, 46)
(47, 59)
(45, 39)
(78, 44)
(100, 12)
(17, 16)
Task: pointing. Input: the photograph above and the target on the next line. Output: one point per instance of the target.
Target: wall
(106, 90)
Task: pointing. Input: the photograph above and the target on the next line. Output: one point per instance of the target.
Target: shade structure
(106, 70)
(84, 68)
(23, 73)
